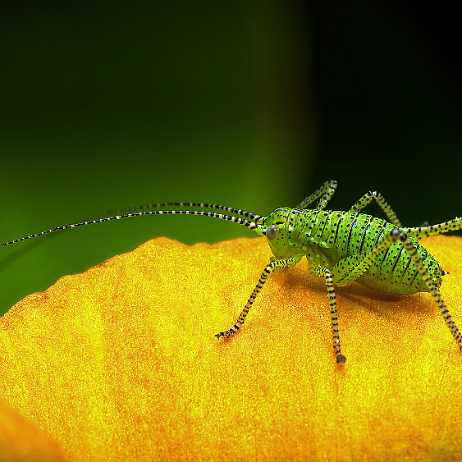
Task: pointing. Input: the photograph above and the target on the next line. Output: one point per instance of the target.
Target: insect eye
(271, 232)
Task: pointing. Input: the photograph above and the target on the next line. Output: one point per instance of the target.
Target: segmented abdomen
(347, 234)
(394, 271)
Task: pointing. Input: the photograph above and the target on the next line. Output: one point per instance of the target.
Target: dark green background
(249, 104)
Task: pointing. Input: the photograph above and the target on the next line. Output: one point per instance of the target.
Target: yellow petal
(120, 362)
(20, 441)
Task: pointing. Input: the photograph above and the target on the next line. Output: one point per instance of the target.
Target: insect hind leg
(425, 231)
(351, 268)
(433, 289)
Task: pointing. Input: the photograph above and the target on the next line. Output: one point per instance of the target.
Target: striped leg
(351, 268)
(325, 273)
(324, 194)
(368, 198)
(412, 251)
(425, 231)
(270, 267)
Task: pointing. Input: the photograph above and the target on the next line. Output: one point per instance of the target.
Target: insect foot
(229, 332)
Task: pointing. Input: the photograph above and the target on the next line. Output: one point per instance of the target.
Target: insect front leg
(368, 198)
(270, 267)
(325, 273)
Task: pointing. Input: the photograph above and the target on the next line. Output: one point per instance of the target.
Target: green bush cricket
(341, 247)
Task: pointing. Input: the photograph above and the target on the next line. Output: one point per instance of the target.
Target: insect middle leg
(368, 198)
(411, 249)
(270, 267)
(325, 273)
(351, 268)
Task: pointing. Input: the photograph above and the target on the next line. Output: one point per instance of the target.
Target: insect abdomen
(393, 272)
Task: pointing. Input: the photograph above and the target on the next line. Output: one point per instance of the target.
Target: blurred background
(254, 105)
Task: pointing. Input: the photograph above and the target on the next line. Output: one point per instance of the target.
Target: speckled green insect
(341, 247)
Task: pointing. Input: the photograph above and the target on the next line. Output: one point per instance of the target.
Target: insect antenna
(241, 213)
(250, 220)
